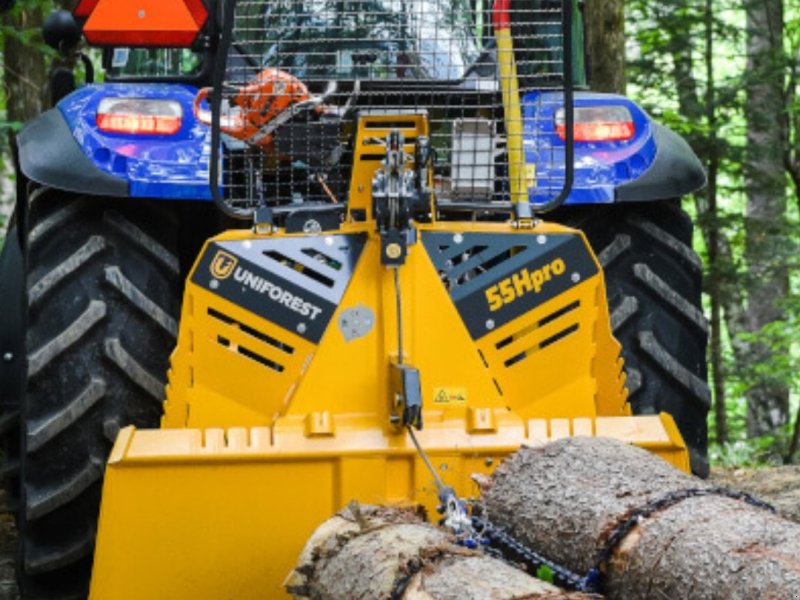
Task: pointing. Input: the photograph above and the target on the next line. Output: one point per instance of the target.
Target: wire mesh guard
(299, 72)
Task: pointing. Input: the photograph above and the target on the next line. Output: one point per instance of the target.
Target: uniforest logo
(223, 265)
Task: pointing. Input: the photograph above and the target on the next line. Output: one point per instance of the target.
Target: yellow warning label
(449, 395)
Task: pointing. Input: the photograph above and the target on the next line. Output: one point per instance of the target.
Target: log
(382, 553)
(565, 499)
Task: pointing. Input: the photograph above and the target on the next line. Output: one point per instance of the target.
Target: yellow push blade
(214, 514)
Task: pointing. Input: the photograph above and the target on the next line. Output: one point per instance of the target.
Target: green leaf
(545, 573)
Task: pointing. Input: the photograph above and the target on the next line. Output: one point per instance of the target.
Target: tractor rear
(394, 319)
(383, 165)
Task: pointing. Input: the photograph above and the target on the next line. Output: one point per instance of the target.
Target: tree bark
(24, 65)
(714, 287)
(380, 553)
(565, 499)
(605, 45)
(765, 223)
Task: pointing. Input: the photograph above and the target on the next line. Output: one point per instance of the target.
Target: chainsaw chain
(512, 550)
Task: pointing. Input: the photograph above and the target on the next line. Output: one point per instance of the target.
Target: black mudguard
(675, 172)
(12, 321)
(49, 155)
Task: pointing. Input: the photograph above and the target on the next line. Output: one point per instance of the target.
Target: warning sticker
(443, 396)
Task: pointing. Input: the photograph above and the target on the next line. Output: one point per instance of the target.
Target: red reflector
(85, 8)
(139, 116)
(598, 124)
(147, 23)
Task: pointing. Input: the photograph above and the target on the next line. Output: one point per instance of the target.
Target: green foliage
(545, 573)
(668, 74)
(750, 452)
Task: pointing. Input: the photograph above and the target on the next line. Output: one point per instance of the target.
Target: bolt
(394, 251)
(141, 13)
(301, 328)
(489, 461)
(8, 356)
(490, 324)
(542, 239)
(247, 244)
(312, 226)
(458, 238)
(576, 277)
(214, 284)
(328, 240)
(443, 467)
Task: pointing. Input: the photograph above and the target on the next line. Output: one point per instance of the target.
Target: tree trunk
(24, 65)
(565, 499)
(379, 553)
(765, 224)
(712, 214)
(605, 44)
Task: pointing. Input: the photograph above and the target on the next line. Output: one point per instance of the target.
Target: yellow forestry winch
(301, 356)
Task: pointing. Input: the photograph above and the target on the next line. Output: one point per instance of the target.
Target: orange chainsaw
(259, 108)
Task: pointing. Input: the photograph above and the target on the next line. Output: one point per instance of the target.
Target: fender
(50, 155)
(675, 172)
(64, 148)
(655, 164)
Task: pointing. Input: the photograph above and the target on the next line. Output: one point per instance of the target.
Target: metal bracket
(406, 394)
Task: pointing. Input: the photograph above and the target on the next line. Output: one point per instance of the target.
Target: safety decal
(449, 396)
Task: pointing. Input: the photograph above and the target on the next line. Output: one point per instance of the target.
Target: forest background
(723, 73)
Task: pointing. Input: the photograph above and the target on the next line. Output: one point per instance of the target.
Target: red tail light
(598, 124)
(139, 116)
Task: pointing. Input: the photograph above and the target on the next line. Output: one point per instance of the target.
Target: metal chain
(513, 550)
(530, 561)
(662, 503)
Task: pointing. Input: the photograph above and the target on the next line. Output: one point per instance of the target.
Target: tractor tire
(12, 362)
(103, 295)
(653, 281)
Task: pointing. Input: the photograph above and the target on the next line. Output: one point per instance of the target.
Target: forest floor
(780, 486)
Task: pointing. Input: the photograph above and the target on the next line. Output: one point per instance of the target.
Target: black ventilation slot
(255, 356)
(322, 258)
(559, 313)
(460, 258)
(538, 324)
(471, 262)
(557, 337)
(299, 267)
(263, 337)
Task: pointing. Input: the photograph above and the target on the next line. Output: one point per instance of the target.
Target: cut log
(565, 500)
(379, 553)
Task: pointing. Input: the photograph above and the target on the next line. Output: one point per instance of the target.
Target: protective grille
(299, 72)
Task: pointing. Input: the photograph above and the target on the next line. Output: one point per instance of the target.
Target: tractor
(318, 224)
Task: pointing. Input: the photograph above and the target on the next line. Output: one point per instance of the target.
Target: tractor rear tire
(653, 280)
(103, 293)
(12, 361)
